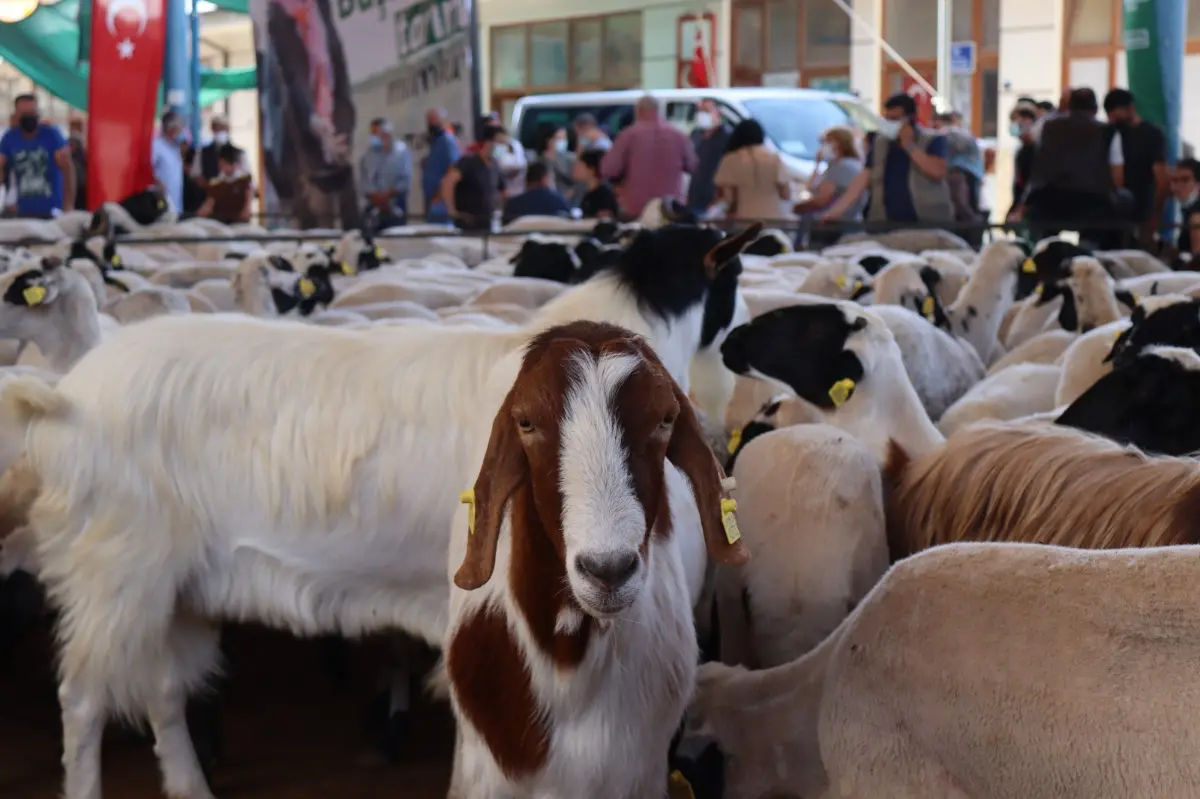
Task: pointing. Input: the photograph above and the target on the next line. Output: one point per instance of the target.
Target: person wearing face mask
(1185, 187)
(905, 172)
(588, 135)
(166, 157)
(512, 161)
(964, 174)
(38, 160)
(443, 154)
(385, 174)
(1144, 148)
(551, 152)
(710, 138)
(1077, 177)
(473, 189)
(207, 165)
(1020, 126)
(839, 153)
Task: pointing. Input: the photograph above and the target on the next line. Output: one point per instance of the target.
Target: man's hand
(906, 135)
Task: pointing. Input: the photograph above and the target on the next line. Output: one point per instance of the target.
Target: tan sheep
(526, 292)
(1005, 671)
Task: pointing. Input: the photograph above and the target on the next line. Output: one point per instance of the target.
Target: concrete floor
(288, 732)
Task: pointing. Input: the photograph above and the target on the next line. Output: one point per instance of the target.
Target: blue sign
(962, 58)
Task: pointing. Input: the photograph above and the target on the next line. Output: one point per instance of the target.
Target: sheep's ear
(1068, 318)
(1126, 298)
(51, 262)
(728, 249)
(504, 468)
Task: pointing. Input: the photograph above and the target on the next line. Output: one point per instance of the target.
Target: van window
(795, 124)
(612, 117)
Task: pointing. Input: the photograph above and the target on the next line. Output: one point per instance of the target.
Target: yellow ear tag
(116, 260)
(841, 391)
(680, 788)
(348, 268)
(468, 498)
(729, 521)
(307, 288)
(735, 440)
(858, 285)
(34, 295)
(1029, 267)
(380, 254)
(927, 308)
(841, 281)
(162, 204)
(1037, 290)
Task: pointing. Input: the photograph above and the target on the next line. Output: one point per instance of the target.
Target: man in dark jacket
(1144, 149)
(1076, 172)
(709, 137)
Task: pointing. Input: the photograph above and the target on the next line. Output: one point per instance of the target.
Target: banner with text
(327, 68)
(127, 41)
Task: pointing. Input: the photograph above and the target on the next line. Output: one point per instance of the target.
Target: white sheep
(1012, 393)
(1045, 347)
(979, 309)
(818, 536)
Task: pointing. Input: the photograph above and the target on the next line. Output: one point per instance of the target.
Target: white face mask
(704, 120)
(890, 128)
(1191, 198)
(221, 137)
(560, 145)
(828, 153)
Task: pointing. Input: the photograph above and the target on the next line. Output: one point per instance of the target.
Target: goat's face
(1171, 320)
(820, 351)
(34, 288)
(577, 452)
(307, 256)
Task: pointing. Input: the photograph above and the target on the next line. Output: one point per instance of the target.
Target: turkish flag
(127, 41)
(698, 76)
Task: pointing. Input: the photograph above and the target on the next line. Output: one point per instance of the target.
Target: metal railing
(792, 228)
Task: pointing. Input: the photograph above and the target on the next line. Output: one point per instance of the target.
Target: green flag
(85, 31)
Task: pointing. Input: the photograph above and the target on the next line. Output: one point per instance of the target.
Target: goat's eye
(525, 425)
(668, 420)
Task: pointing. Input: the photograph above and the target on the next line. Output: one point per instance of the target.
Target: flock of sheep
(574, 461)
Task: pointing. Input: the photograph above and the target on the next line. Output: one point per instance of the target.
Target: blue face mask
(376, 143)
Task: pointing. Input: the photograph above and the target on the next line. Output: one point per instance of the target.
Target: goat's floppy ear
(51, 262)
(690, 452)
(504, 468)
(728, 249)
(688, 449)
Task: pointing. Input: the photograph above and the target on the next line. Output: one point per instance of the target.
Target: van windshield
(796, 125)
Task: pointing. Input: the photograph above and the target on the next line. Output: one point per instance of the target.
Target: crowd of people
(1110, 180)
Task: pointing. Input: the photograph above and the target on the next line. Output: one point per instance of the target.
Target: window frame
(752, 76)
(512, 93)
(985, 59)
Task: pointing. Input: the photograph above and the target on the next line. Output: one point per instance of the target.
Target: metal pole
(945, 36)
(175, 58)
(195, 52)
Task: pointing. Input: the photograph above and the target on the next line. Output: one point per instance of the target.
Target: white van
(793, 119)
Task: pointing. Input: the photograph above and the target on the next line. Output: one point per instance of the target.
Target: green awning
(46, 47)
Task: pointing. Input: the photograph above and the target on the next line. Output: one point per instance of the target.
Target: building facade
(1022, 47)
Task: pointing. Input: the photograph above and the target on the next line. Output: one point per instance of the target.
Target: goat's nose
(609, 571)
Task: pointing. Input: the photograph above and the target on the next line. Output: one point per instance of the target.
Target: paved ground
(288, 734)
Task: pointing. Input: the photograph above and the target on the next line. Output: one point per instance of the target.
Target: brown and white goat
(570, 672)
